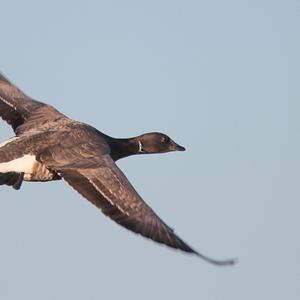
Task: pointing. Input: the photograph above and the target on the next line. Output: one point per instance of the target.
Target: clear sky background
(222, 79)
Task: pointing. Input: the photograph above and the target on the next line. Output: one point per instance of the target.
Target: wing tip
(226, 262)
(216, 262)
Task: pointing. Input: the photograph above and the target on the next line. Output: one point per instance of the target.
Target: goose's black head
(155, 142)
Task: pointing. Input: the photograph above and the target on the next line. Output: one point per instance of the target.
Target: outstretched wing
(16, 107)
(96, 177)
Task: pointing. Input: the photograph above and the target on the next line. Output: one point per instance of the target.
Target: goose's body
(50, 146)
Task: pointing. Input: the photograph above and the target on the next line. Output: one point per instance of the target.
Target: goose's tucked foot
(13, 179)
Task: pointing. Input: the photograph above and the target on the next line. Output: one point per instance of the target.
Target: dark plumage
(50, 146)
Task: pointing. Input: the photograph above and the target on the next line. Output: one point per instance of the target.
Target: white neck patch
(140, 146)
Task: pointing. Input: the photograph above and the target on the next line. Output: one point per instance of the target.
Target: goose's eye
(164, 139)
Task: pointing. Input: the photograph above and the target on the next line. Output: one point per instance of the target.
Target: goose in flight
(50, 146)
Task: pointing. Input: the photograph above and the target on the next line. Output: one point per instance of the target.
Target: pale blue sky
(222, 79)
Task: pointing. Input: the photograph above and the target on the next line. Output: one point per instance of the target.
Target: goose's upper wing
(16, 108)
(96, 177)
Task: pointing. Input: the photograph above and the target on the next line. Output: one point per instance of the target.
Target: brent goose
(50, 146)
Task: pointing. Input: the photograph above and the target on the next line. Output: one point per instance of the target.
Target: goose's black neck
(123, 147)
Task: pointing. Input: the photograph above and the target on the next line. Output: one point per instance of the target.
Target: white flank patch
(8, 141)
(22, 164)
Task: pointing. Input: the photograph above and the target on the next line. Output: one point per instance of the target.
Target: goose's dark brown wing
(98, 179)
(16, 108)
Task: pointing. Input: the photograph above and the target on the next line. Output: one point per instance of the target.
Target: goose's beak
(177, 147)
